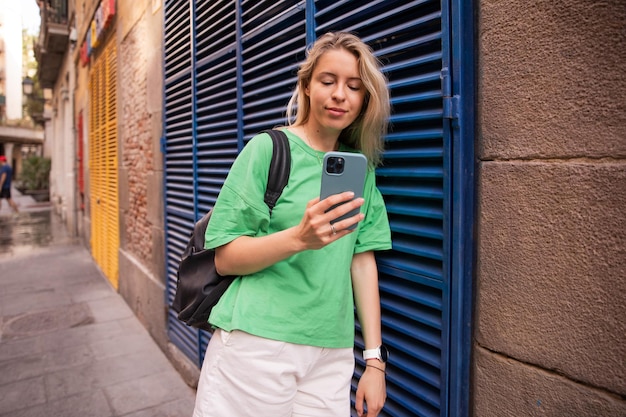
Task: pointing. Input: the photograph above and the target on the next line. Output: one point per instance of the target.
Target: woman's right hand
(315, 230)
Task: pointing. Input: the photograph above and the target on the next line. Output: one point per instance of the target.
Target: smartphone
(343, 171)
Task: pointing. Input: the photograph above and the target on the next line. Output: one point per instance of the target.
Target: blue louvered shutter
(241, 77)
(273, 43)
(217, 127)
(178, 146)
(406, 37)
(230, 68)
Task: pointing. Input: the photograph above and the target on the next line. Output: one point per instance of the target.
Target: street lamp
(27, 86)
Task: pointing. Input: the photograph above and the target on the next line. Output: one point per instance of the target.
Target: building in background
(55, 71)
(18, 135)
(11, 60)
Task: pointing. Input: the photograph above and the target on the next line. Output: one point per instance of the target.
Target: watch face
(384, 353)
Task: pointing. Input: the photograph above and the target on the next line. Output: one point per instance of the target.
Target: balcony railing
(55, 11)
(53, 40)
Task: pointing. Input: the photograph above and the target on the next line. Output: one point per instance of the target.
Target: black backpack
(199, 286)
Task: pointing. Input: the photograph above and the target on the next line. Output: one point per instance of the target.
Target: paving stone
(112, 308)
(118, 345)
(132, 366)
(21, 394)
(177, 408)
(12, 349)
(147, 392)
(101, 374)
(68, 357)
(89, 291)
(15, 304)
(92, 333)
(72, 381)
(132, 325)
(90, 404)
(18, 369)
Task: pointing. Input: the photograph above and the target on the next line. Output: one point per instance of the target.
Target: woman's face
(336, 91)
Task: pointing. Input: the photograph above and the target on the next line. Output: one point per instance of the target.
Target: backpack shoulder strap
(280, 167)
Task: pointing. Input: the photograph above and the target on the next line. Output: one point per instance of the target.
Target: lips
(337, 111)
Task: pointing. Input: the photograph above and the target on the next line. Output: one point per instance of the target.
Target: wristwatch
(381, 353)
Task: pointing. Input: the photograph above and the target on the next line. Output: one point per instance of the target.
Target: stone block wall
(141, 255)
(550, 335)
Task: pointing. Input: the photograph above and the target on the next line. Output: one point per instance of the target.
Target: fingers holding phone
(343, 172)
(319, 225)
(336, 212)
(342, 211)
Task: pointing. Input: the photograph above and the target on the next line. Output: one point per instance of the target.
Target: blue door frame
(462, 125)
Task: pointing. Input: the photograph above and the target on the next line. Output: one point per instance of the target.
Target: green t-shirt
(306, 298)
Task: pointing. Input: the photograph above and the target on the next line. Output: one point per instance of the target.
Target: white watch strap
(370, 354)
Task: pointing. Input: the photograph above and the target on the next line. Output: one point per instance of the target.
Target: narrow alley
(69, 344)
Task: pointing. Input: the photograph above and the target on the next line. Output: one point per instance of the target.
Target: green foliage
(34, 103)
(29, 63)
(35, 173)
(34, 108)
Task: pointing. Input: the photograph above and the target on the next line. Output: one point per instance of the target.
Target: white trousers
(249, 376)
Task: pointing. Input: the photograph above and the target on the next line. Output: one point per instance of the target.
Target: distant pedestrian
(6, 175)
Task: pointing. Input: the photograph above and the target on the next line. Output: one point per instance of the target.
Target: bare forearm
(246, 255)
(372, 387)
(367, 298)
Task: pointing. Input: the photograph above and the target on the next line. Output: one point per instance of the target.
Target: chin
(337, 126)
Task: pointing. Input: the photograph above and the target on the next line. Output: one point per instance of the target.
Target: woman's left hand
(372, 391)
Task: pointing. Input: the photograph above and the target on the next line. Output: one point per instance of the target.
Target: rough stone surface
(551, 228)
(552, 245)
(188, 370)
(144, 294)
(505, 388)
(551, 79)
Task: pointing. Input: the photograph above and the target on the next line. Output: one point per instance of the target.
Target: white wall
(12, 33)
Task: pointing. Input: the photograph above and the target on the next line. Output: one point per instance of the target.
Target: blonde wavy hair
(367, 132)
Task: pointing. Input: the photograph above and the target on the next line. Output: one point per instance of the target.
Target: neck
(320, 140)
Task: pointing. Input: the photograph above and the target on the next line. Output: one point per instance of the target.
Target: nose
(339, 93)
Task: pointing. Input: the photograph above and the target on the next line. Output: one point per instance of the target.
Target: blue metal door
(229, 72)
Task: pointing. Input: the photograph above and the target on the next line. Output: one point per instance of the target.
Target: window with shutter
(103, 162)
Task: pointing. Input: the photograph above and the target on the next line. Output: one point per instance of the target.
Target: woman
(284, 338)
